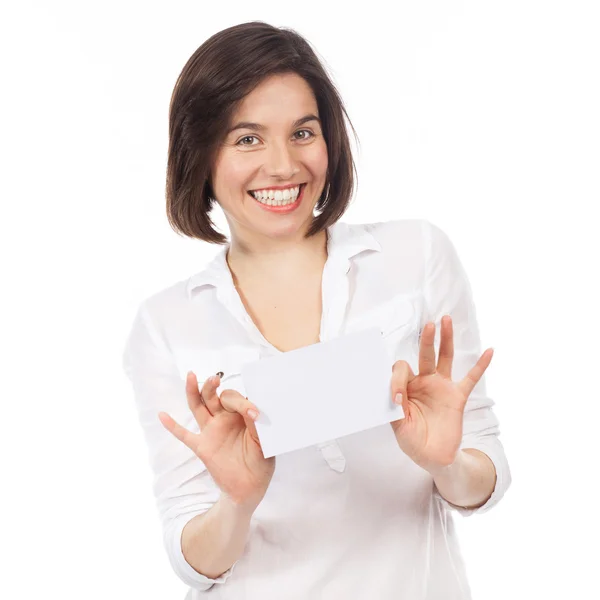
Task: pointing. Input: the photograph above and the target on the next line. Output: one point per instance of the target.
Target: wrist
(237, 509)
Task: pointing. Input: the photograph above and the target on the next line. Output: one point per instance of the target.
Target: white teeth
(277, 197)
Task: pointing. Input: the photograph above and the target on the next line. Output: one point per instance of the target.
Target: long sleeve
(183, 488)
(447, 291)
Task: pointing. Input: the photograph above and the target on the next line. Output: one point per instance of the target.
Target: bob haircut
(210, 87)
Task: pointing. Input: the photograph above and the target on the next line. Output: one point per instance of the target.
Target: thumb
(233, 401)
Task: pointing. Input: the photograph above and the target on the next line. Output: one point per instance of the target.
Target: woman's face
(276, 152)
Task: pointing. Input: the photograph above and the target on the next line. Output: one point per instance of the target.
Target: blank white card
(321, 392)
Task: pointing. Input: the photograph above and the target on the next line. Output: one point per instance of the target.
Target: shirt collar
(345, 240)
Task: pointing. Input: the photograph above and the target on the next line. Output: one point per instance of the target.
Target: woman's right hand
(227, 443)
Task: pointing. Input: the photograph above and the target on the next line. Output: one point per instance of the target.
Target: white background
(480, 116)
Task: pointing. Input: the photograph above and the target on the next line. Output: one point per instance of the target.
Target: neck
(277, 260)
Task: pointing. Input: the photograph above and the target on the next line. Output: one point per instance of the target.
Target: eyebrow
(259, 127)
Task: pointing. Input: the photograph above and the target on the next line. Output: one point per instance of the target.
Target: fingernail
(252, 414)
(398, 398)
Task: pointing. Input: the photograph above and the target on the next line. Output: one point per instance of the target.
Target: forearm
(213, 541)
(469, 481)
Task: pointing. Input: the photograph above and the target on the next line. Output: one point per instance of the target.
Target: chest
(288, 315)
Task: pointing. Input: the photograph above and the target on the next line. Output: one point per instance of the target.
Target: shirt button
(333, 455)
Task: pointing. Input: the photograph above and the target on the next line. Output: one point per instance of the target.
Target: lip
(279, 187)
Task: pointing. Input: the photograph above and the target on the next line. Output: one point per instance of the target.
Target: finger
(427, 350)
(444, 366)
(209, 393)
(476, 373)
(195, 402)
(402, 374)
(191, 440)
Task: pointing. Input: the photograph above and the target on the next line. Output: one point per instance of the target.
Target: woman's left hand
(431, 431)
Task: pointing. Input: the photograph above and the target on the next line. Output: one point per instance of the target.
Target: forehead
(278, 99)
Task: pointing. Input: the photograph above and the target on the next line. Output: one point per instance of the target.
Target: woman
(257, 127)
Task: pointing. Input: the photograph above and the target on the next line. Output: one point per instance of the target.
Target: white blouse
(352, 518)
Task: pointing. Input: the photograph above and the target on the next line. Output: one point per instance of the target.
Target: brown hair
(213, 82)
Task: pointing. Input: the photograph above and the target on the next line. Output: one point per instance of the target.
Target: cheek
(232, 174)
(239, 171)
(318, 159)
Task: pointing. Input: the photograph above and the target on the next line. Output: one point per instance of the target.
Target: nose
(281, 162)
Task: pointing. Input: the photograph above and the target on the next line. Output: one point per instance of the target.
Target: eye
(249, 137)
(246, 137)
(306, 130)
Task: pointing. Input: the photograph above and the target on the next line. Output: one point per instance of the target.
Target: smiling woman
(230, 132)
(257, 128)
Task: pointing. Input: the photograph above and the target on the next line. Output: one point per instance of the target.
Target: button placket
(336, 289)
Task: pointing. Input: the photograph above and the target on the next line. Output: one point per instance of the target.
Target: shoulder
(176, 297)
(396, 234)
(418, 233)
(394, 226)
